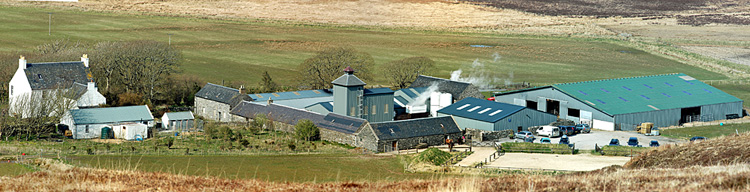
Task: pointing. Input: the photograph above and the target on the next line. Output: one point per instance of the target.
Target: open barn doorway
(553, 106)
(690, 114)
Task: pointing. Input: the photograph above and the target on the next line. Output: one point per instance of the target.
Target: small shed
(130, 131)
(494, 116)
(178, 121)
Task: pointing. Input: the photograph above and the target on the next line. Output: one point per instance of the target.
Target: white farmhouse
(32, 80)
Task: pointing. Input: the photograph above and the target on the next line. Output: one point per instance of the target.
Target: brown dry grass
(720, 151)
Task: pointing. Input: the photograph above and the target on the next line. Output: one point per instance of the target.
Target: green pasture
(240, 50)
(275, 168)
(711, 131)
(12, 169)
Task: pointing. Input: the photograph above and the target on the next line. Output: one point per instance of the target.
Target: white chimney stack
(85, 60)
(22, 63)
(91, 86)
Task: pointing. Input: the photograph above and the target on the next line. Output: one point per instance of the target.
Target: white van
(549, 131)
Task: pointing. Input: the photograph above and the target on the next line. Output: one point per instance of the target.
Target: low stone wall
(482, 135)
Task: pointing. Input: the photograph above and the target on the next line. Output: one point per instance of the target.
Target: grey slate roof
(111, 115)
(56, 74)
(482, 110)
(292, 116)
(217, 93)
(459, 90)
(184, 115)
(415, 128)
(348, 80)
(238, 98)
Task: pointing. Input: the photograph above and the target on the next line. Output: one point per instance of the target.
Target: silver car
(524, 135)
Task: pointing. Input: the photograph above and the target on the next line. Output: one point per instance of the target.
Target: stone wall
(338, 137)
(482, 135)
(366, 138)
(410, 143)
(211, 109)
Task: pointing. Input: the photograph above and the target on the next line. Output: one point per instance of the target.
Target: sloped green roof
(647, 93)
(111, 115)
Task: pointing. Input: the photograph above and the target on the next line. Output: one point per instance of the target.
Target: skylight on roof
(689, 82)
(669, 84)
(623, 99)
(600, 101)
(708, 91)
(645, 97)
(496, 112)
(626, 88)
(474, 108)
(604, 90)
(463, 106)
(316, 91)
(687, 78)
(584, 93)
(648, 86)
(687, 93)
(484, 110)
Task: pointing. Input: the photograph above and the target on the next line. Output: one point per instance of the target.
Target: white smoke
(421, 99)
(482, 77)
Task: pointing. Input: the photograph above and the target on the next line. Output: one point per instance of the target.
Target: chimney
(242, 89)
(85, 60)
(22, 63)
(91, 86)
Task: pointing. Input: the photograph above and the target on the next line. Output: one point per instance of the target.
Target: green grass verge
(241, 50)
(623, 150)
(276, 168)
(13, 169)
(741, 91)
(537, 148)
(712, 131)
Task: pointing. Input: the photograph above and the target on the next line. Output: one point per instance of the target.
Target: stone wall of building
(410, 143)
(482, 135)
(338, 137)
(212, 110)
(366, 138)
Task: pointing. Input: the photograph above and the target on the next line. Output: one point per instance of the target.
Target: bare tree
(39, 109)
(401, 73)
(327, 65)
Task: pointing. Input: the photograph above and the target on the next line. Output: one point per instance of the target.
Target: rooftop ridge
(409, 120)
(621, 78)
(223, 86)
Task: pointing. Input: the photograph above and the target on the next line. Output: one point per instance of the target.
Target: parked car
(633, 142)
(549, 131)
(565, 140)
(654, 143)
(697, 138)
(529, 139)
(545, 141)
(523, 135)
(567, 130)
(614, 142)
(583, 128)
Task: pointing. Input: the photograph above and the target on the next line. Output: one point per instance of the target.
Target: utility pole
(49, 27)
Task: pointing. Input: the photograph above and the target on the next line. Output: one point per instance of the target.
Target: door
(394, 144)
(553, 107)
(520, 128)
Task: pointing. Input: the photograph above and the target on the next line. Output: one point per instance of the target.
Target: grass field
(282, 168)
(241, 50)
(12, 169)
(706, 131)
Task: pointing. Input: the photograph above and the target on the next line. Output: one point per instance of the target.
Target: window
(374, 111)
(574, 112)
(385, 108)
(87, 129)
(352, 112)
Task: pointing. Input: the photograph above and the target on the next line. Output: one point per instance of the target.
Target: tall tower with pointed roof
(348, 91)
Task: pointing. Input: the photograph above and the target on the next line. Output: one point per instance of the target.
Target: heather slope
(720, 151)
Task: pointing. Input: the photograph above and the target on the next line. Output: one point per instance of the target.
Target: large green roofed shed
(647, 93)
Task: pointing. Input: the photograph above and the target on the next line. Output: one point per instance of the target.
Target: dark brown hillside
(720, 151)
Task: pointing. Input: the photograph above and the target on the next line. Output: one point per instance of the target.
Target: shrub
(291, 145)
(226, 133)
(244, 142)
(306, 130)
(536, 148)
(168, 141)
(434, 156)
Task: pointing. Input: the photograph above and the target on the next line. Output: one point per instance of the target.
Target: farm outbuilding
(87, 123)
(130, 131)
(407, 134)
(493, 116)
(178, 121)
(622, 104)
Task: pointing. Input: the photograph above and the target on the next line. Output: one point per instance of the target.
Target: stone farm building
(215, 101)
(495, 116)
(622, 104)
(407, 134)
